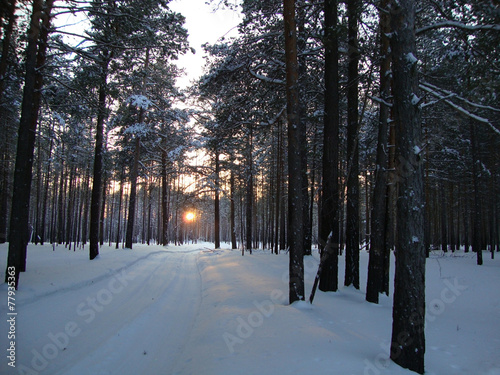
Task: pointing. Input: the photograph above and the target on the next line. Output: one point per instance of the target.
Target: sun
(190, 216)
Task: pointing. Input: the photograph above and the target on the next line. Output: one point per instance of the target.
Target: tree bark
(476, 216)
(164, 197)
(330, 198)
(119, 220)
(11, 16)
(352, 212)
(232, 213)
(98, 162)
(249, 192)
(133, 193)
(296, 133)
(217, 203)
(35, 60)
(379, 205)
(408, 337)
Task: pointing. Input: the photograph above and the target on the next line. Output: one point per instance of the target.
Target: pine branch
(457, 25)
(459, 108)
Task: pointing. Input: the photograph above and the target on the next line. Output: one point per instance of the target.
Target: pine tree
(296, 174)
(330, 195)
(408, 336)
(36, 50)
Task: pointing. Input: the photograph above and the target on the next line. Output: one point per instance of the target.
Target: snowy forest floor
(191, 310)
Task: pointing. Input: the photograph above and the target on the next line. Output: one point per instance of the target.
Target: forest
(343, 126)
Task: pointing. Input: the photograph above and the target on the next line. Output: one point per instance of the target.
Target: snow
(415, 99)
(140, 101)
(410, 57)
(137, 129)
(192, 310)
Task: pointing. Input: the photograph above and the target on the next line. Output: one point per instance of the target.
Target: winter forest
(353, 146)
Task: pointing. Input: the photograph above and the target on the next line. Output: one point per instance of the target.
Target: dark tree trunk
(35, 60)
(296, 134)
(133, 194)
(45, 201)
(103, 210)
(5, 153)
(302, 72)
(279, 177)
(10, 14)
(4, 186)
(216, 203)
(329, 215)
(164, 197)
(232, 213)
(69, 209)
(119, 220)
(98, 163)
(352, 212)
(390, 217)
(408, 337)
(249, 193)
(60, 206)
(476, 215)
(86, 208)
(444, 217)
(379, 205)
(37, 227)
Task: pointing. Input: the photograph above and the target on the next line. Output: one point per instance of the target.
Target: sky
(203, 25)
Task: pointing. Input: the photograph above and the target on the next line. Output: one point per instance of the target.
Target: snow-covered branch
(457, 25)
(275, 118)
(451, 94)
(265, 78)
(459, 108)
(380, 100)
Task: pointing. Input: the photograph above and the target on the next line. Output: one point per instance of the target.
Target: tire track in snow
(143, 329)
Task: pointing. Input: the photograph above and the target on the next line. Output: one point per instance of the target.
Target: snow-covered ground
(192, 310)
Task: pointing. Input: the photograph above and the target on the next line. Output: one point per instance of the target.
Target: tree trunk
(119, 220)
(279, 176)
(232, 213)
(476, 215)
(4, 187)
(133, 193)
(249, 193)
(35, 60)
(296, 133)
(103, 210)
(352, 212)
(216, 203)
(379, 206)
(444, 218)
(10, 14)
(98, 164)
(45, 201)
(408, 336)
(86, 208)
(329, 215)
(164, 197)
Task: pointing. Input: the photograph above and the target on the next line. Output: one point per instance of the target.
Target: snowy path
(136, 311)
(184, 310)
